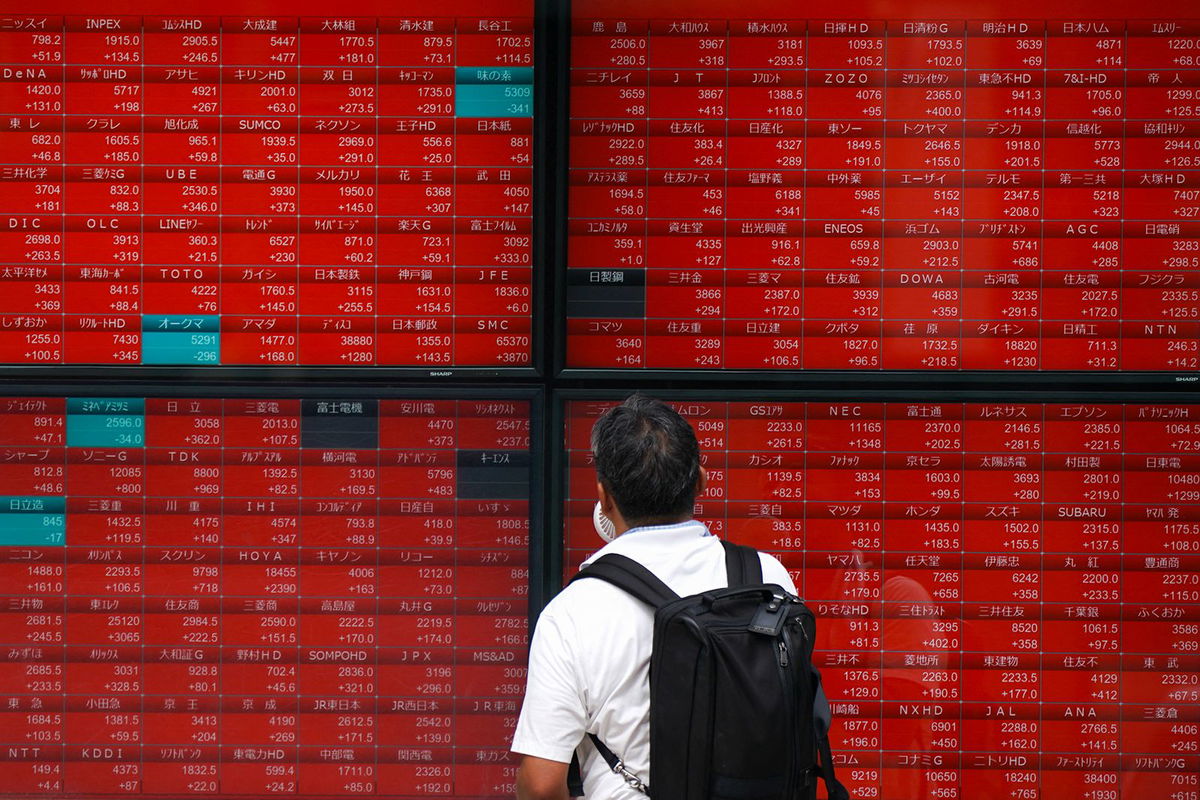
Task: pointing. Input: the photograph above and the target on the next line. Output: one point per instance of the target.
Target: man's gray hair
(647, 458)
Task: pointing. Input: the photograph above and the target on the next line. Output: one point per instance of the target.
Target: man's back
(591, 650)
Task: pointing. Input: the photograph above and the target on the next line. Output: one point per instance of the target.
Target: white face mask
(604, 526)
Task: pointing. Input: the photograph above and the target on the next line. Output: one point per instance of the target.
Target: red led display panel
(201, 183)
(933, 185)
(1007, 594)
(259, 597)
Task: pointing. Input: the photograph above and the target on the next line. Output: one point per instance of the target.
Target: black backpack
(736, 707)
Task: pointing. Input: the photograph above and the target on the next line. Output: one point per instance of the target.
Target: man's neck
(659, 522)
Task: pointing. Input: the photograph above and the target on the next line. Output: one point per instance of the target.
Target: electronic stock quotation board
(261, 594)
(916, 186)
(288, 184)
(1007, 592)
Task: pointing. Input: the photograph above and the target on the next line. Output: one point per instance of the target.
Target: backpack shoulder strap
(575, 777)
(741, 564)
(630, 576)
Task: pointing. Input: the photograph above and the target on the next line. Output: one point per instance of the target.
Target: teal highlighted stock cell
(493, 91)
(33, 521)
(493, 101)
(181, 348)
(106, 422)
(181, 339)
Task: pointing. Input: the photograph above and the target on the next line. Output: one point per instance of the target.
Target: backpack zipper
(789, 689)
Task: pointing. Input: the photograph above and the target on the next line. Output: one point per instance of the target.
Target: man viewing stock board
(729, 671)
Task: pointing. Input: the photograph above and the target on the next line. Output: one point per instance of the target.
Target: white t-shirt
(589, 659)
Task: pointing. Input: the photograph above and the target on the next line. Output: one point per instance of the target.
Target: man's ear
(701, 481)
(607, 504)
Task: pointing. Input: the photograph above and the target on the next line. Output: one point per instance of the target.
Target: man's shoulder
(584, 600)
